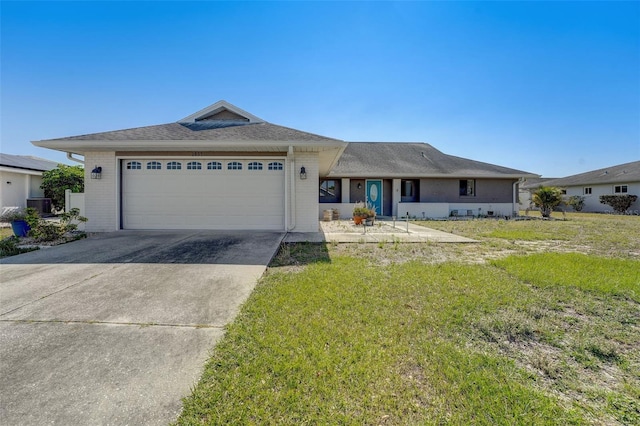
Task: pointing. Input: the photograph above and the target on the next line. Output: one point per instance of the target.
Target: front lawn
(435, 334)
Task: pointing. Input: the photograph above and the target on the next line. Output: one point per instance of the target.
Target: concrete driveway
(115, 329)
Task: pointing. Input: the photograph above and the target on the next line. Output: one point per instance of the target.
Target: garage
(203, 193)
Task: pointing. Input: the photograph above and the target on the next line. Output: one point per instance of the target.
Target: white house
(615, 180)
(224, 168)
(20, 179)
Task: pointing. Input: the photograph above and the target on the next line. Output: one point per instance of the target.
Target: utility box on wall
(42, 205)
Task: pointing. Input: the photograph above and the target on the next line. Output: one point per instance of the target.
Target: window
(134, 165)
(154, 165)
(254, 165)
(620, 189)
(174, 165)
(330, 191)
(276, 165)
(587, 190)
(468, 187)
(234, 165)
(214, 165)
(409, 191)
(194, 165)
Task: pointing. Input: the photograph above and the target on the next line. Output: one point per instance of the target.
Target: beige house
(225, 168)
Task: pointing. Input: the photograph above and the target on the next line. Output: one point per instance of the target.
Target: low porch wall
(442, 210)
(429, 210)
(345, 209)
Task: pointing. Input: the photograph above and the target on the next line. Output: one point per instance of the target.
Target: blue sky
(548, 87)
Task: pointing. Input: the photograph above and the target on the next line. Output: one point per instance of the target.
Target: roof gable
(222, 110)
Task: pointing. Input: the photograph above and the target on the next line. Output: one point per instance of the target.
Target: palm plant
(546, 198)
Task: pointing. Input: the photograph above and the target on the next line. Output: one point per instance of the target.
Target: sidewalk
(344, 231)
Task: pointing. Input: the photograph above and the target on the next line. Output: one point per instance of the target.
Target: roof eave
(80, 146)
(21, 170)
(430, 175)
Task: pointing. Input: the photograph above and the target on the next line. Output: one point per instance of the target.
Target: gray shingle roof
(400, 159)
(534, 183)
(200, 131)
(27, 162)
(622, 173)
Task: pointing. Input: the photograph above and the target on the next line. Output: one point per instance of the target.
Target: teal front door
(374, 195)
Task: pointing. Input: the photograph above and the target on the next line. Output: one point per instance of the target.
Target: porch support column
(345, 190)
(396, 196)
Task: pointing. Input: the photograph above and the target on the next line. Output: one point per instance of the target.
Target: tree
(546, 198)
(63, 177)
(577, 202)
(619, 203)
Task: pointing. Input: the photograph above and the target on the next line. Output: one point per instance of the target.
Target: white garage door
(203, 194)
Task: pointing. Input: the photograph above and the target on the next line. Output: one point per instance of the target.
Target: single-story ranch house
(622, 179)
(224, 168)
(20, 179)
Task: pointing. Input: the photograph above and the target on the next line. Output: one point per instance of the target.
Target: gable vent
(224, 115)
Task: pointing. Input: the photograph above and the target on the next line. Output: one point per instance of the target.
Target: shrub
(44, 230)
(546, 198)
(619, 203)
(577, 202)
(9, 247)
(56, 181)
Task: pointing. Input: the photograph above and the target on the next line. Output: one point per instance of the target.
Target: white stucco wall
(592, 201)
(101, 195)
(306, 192)
(16, 187)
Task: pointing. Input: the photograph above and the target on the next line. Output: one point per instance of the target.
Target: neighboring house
(615, 180)
(526, 189)
(224, 168)
(20, 179)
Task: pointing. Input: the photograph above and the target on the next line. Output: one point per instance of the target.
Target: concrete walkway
(115, 329)
(344, 231)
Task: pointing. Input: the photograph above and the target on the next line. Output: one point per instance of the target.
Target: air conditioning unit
(42, 205)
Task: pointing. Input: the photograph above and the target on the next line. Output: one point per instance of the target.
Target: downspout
(72, 158)
(292, 203)
(514, 209)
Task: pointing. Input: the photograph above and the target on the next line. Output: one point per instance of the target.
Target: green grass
(5, 232)
(600, 275)
(382, 334)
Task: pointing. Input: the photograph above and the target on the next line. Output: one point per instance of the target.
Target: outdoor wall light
(359, 185)
(303, 173)
(96, 173)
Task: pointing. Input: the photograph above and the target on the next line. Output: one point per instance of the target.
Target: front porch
(383, 231)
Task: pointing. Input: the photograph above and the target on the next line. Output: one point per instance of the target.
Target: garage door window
(194, 165)
(154, 165)
(255, 165)
(174, 165)
(214, 165)
(276, 165)
(134, 165)
(234, 165)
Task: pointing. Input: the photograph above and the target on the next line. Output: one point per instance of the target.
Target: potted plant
(371, 215)
(360, 213)
(19, 220)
